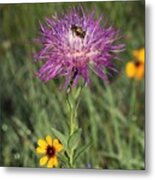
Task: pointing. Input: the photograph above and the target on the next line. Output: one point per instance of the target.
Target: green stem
(73, 106)
(72, 127)
(72, 121)
(71, 159)
(71, 116)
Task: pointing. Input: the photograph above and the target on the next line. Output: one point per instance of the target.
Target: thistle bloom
(73, 44)
(49, 148)
(135, 67)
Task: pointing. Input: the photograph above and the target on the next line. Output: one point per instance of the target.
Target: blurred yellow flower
(135, 67)
(49, 147)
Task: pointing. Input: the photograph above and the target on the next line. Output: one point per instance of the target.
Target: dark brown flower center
(137, 63)
(78, 31)
(50, 151)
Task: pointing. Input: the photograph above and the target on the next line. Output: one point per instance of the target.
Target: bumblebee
(78, 31)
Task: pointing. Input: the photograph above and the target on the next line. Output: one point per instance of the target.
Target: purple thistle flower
(75, 43)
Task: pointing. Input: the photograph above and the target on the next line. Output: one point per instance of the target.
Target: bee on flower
(49, 148)
(135, 68)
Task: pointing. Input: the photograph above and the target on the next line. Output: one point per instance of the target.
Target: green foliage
(60, 136)
(111, 116)
(82, 149)
(74, 139)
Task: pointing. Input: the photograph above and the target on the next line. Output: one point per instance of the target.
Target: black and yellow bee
(78, 31)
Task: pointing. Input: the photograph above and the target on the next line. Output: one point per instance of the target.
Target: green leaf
(63, 159)
(80, 150)
(60, 136)
(74, 139)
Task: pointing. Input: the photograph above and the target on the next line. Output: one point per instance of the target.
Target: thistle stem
(73, 103)
(72, 121)
(71, 116)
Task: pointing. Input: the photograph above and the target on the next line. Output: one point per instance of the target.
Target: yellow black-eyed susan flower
(49, 148)
(135, 67)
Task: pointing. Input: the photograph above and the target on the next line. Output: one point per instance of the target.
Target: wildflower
(135, 68)
(49, 148)
(73, 44)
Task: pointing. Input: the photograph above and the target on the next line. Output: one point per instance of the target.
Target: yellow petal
(43, 160)
(53, 162)
(49, 140)
(42, 143)
(40, 150)
(57, 145)
(140, 72)
(130, 69)
(141, 55)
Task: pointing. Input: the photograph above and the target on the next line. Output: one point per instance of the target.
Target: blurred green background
(112, 117)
